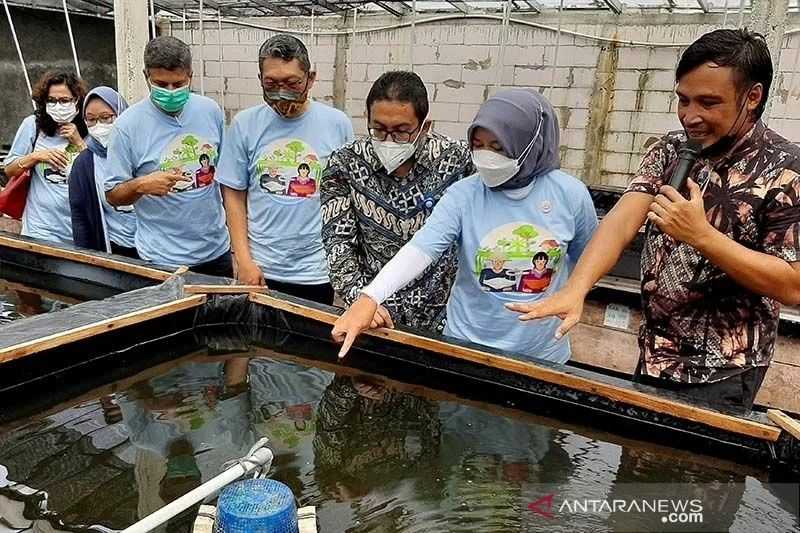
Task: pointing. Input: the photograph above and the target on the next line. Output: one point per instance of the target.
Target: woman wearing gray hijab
(96, 224)
(519, 223)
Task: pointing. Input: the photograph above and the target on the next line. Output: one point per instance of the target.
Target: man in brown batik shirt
(720, 258)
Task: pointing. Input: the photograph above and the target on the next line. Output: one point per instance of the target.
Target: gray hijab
(514, 116)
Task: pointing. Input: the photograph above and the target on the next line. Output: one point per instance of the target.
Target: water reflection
(184, 426)
(18, 303)
(372, 455)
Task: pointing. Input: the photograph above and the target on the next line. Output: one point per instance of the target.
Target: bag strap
(35, 138)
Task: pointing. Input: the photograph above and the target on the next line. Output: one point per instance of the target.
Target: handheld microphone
(687, 156)
(688, 153)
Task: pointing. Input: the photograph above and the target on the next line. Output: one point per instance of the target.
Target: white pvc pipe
(260, 457)
(413, 36)
(741, 13)
(313, 42)
(71, 38)
(503, 39)
(470, 16)
(219, 53)
(725, 18)
(202, 60)
(19, 52)
(555, 52)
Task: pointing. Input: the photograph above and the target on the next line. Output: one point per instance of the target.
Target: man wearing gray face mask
(378, 191)
(271, 162)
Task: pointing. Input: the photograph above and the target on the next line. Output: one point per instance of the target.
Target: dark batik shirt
(699, 324)
(368, 215)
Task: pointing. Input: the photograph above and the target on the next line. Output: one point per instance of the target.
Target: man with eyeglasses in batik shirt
(378, 191)
(272, 159)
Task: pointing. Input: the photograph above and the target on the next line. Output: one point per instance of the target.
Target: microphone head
(690, 148)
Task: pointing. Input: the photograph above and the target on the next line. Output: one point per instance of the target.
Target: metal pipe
(152, 19)
(71, 39)
(19, 52)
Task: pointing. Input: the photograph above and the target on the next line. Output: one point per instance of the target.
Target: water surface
(371, 454)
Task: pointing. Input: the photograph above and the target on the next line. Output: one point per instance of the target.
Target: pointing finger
(349, 339)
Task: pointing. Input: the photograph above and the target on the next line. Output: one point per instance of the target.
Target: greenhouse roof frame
(285, 8)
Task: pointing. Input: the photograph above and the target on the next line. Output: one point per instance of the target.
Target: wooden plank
(633, 286)
(618, 351)
(224, 289)
(89, 259)
(787, 349)
(604, 348)
(789, 424)
(59, 339)
(632, 397)
(780, 387)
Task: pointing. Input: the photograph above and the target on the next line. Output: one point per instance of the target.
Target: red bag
(14, 195)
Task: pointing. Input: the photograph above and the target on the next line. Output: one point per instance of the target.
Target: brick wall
(612, 100)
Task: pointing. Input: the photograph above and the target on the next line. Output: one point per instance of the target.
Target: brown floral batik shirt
(699, 324)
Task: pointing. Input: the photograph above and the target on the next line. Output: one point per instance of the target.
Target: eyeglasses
(62, 101)
(401, 137)
(105, 119)
(296, 85)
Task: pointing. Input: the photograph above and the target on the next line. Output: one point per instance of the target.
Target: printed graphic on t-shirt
(54, 175)
(194, 157)
(289, 167)
(518, 257)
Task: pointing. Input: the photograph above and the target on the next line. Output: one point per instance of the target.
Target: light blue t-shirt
(279, 162)
(186, 227)
(120, 222)
(510, 251)
(47, 214)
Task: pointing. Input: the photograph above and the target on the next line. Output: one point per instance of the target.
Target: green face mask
(170, 101)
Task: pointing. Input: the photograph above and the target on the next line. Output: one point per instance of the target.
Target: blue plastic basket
(256, 506)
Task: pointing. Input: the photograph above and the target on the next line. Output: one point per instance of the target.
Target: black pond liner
(227, 324)
(34, 383)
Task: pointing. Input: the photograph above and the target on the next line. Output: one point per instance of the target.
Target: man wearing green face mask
(154, 154)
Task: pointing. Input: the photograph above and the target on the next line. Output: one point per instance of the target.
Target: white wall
(602, 137)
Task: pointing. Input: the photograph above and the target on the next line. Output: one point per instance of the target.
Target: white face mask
(100, 132)
(62, 113)
(391, 154)
(496, 169)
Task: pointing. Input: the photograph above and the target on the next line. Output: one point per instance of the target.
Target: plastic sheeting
(87, 313)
